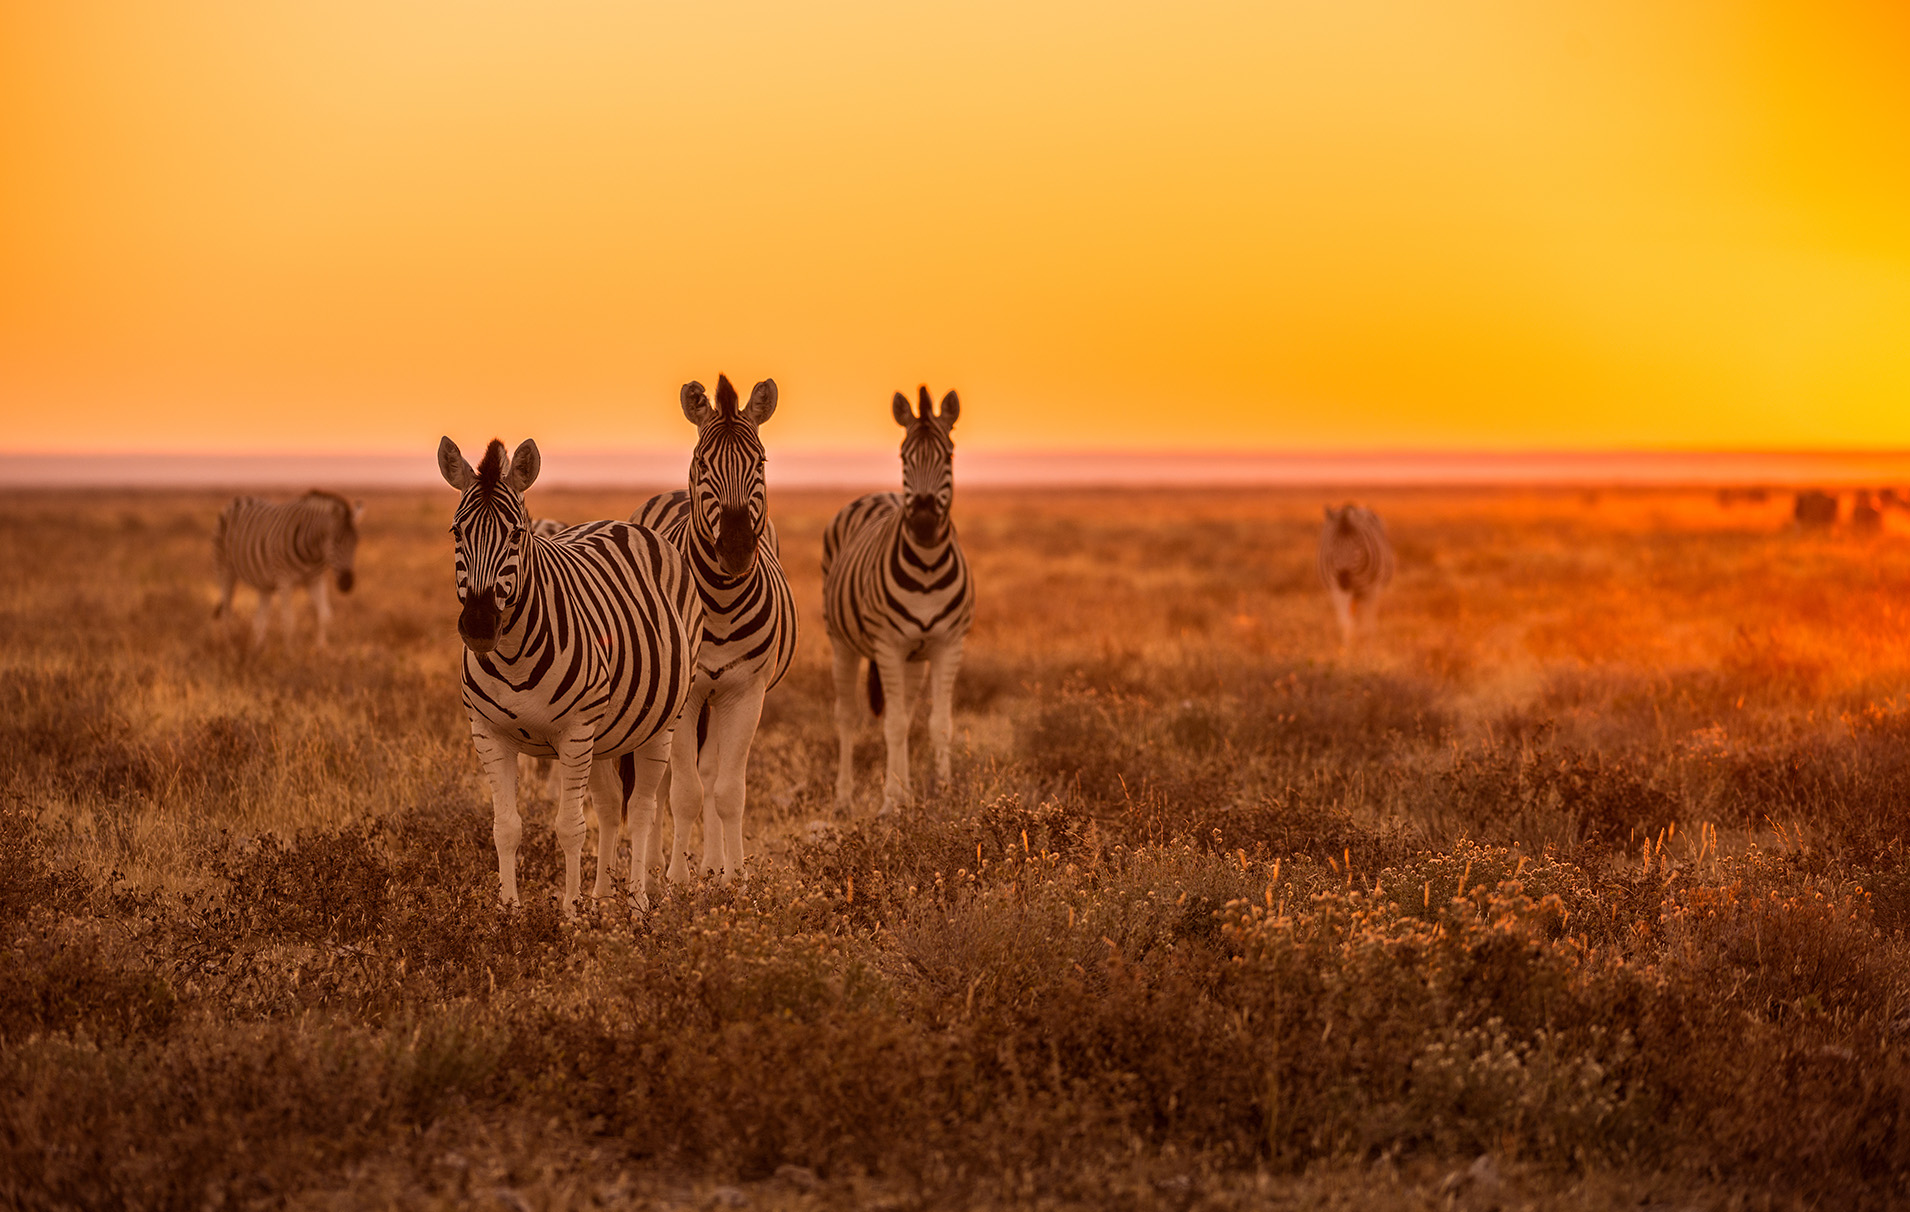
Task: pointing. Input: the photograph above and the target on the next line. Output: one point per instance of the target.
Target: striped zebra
(896, 593)
(1356, 565)
(749, 616)
(279, 547)
(578, 648)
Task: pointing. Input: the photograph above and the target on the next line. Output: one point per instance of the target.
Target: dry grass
(1591, 866)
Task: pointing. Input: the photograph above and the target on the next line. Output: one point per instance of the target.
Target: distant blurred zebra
(896, 592)
(278, 547)
(1356, 565)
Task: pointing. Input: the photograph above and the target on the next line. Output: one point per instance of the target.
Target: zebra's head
(341, 544)
(728, 502)
(928, 464)
(491, 528)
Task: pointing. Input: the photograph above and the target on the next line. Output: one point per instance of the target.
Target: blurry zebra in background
(1356, 565)
(896, 593)
(279, 547)
(749, 616)
(579, 647)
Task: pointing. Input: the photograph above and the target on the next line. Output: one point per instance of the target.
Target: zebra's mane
(491, 469)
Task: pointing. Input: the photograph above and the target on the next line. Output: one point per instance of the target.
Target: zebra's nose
(345, 580)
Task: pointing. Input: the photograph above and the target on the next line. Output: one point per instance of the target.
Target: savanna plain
(1579, 883)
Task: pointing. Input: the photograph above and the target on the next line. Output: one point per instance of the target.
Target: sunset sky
(342, 226)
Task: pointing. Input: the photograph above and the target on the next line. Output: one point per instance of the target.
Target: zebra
(749, 616)
(278, 547)
(896, 592)
(578, 648)
(1356, 565)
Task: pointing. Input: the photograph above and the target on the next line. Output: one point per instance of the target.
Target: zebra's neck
(514, 631)
(926, 555)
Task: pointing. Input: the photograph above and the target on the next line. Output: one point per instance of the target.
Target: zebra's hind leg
(848, 720)
(288, 603)
(228, 581)
(944, 665)
(895, 730)
(606, 788)
(575, 759)
(262, 618)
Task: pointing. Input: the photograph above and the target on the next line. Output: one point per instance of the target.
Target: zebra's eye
(454, 531)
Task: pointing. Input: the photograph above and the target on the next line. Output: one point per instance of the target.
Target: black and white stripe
(1356, 565)
(896, 593)
(580, 648)
(749, 616)
(279, 547)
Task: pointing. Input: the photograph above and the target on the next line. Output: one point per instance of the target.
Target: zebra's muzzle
(478, 623)
(345, 580)
(926, 523)
(735, 541)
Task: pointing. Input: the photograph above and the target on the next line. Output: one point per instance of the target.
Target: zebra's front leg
(574, 760)
(733, 724)
(848, 721)
(507, 827)
(895, 728)
(944, 664)
(638, 780)
(606, 789)
(1343, 610)
(321, 606)
(686, 782)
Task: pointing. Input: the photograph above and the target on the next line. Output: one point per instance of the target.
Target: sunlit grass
(1588, 862)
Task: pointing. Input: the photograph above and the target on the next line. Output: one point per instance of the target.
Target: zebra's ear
(951, 408)
(1328, 511)
(696, 402)
(762, 402)
(525, 465)
(902, 414)
(453, 466)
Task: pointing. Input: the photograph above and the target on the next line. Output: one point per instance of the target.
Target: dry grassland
(1583, 885)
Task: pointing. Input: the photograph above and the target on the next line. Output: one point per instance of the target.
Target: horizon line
(1027, 467)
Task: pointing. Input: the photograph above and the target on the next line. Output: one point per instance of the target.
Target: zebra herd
(589, 646)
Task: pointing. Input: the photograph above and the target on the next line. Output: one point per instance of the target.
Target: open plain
(1579, 883)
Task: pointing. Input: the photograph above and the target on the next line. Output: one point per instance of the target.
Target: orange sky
(1342, 223)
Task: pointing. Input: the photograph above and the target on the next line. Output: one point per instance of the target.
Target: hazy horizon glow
(1344, 223)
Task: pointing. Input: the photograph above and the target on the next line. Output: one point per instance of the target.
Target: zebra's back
(272, 546)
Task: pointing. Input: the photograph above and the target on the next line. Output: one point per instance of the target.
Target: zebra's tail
(875, 690)
(702, 725)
